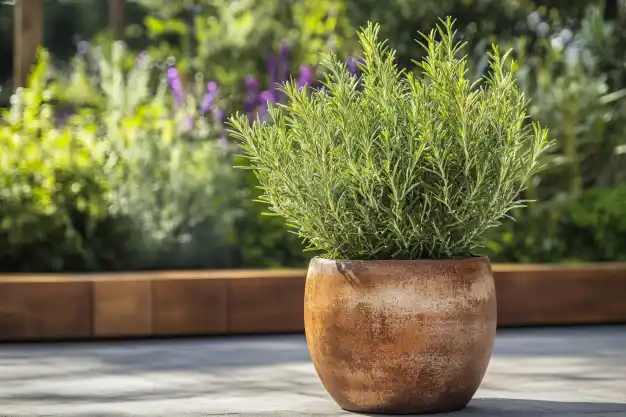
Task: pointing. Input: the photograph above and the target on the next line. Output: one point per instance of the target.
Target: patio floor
(577, 371)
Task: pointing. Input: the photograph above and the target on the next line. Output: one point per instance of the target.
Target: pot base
(394, 412)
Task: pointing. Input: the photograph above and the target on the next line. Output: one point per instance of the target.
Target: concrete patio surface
(576, 371)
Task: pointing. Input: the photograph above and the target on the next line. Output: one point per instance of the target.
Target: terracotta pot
(400, 337)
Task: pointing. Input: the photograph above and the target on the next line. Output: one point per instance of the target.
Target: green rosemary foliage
(392, 165)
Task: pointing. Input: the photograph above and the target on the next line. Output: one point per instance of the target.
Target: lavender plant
(278, 71)
(389, 165)
(166, 174)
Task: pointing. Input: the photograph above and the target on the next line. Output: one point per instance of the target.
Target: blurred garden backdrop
(115, 156)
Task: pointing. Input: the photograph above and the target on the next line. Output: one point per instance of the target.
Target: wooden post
(116, 18)
(27, 37)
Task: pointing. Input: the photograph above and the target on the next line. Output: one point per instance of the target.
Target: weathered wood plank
(27, 37)
(561, 296)
(116, 18)
(268, 305)
(122, 308)
(189, 307)
(43, 311)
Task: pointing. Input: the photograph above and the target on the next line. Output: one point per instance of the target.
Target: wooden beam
(174, 303)
(116, 18)
(45, 310)
(27, 37)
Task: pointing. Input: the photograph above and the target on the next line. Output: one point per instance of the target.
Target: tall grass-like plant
(390, 165)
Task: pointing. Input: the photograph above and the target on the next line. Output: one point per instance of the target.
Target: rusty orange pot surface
(400, 337)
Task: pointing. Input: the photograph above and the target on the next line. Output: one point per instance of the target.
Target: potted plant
(395, 177)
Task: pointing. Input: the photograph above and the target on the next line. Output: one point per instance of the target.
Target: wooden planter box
(83, 306)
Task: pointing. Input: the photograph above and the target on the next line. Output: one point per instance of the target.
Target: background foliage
(59, 209)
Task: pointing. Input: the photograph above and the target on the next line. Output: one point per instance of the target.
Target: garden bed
(175, 303)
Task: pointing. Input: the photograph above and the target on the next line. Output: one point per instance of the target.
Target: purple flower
(209, 96)
(219, 116)
(284, 50)
(271, 71)
(176, 85)
(305, 76)
(252, 84)
(252, 94)
(267, 96)
(352, 64)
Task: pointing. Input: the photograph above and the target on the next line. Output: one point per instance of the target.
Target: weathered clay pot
(400, 337)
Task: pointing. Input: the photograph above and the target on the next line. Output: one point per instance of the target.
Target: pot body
(400, 337)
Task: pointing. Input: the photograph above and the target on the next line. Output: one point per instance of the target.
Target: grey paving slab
(534, 372)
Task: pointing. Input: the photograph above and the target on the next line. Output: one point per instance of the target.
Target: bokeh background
(115, 155)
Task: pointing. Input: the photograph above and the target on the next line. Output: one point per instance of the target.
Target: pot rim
(327, 261)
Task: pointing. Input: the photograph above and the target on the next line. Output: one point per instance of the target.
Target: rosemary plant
(391, 165)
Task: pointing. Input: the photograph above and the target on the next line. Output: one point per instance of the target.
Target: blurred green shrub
(577, 88)
(122, 184)
(118, 164)
(262, 240)
(169, 175)
(597, 225)
(177, 183)
(52, 190)
(590, 228)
